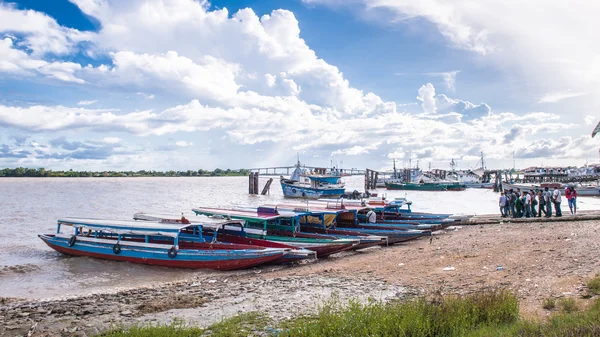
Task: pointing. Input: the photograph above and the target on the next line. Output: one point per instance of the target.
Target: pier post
(255, 185)
(267, 187)
(251, 183)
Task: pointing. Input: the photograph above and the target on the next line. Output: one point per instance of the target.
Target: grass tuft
(246, 324)
(175, 329)
(594, 285)
(568, 305)
(549, 304)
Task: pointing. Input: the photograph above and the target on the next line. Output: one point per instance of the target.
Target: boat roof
(248, 215)
(193, 219)
(127, 226)
(205, 221)
(320, 206)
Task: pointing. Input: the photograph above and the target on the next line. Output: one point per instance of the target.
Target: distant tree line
(42, 172)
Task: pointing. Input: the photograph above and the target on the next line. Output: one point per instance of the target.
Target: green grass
(549, 304)
(237, 326)
(594, 285)
(445, 316)
(568, 305)
(491, 313)
(175, 329)
(240, 326)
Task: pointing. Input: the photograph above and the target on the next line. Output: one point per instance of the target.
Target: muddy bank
(201, 302)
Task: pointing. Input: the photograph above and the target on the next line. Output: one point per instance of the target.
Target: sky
(182, 84)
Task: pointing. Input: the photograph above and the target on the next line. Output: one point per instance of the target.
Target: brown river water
(29, 206)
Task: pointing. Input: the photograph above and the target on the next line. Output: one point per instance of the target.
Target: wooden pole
(251, 183)
(267, 187)
(255, 183)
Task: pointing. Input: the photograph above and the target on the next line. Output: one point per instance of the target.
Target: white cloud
(42, 34)
(249, 80)
(183, 143)
(449, 78)
(86, 102)
(540, 48)
(111, 140)
(151, 96)
(355, 150)
(15, 61)
(559, 96)
(427, 96)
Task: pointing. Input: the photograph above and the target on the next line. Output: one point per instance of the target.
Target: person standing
(542, 203)
(556, 200)
(502, 204)
(511, 202)
(519, 203)
(371, 216)
(548, 200)
(533, 203)
(571, 196)
(526, 205)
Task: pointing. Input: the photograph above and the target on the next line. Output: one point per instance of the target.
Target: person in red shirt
(571, 196)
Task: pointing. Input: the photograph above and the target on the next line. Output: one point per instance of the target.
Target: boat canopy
(127, 226)
(206, 222)
(247, 215)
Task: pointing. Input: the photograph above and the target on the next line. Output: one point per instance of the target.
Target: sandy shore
(537, 259)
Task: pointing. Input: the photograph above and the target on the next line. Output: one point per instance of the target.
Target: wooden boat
(364, 240)
(312, 186)
(276, 224)
(345, 219)
(160, 244)
(232, 232)
(449, 186)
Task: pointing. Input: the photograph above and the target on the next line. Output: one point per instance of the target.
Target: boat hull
(295, 191)
(322, 249)
(192, 259)
(425, 187)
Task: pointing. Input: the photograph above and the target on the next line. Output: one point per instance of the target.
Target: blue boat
(311, 186)
(162, 244)
(224, 231)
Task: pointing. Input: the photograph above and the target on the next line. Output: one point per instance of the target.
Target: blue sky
(184, 84)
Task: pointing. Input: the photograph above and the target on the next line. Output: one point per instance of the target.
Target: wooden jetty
(495, 219)
(287, 170)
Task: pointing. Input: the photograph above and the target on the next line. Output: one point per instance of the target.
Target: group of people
(531, 204)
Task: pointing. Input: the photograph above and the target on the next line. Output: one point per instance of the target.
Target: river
(29, 206)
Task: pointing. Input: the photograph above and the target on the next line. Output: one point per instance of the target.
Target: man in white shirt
(371, 216)
(556, 201)
(502, 203)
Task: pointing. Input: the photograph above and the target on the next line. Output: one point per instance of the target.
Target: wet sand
(538, 260)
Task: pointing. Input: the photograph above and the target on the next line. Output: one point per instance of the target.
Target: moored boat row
(242, 237)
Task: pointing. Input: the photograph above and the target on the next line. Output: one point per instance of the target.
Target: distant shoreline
(22, 172)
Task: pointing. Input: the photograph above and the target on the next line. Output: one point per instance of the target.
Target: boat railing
(115, 241)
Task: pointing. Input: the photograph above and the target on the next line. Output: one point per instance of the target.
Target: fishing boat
(344, 218)
(232, 232)
(282, 228)
(312, 186)
(442, 186)
(162, 244)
